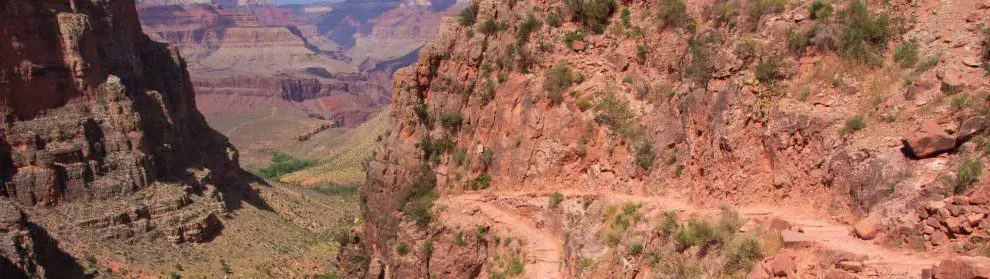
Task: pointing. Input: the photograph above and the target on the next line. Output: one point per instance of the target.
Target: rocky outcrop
(96, 117)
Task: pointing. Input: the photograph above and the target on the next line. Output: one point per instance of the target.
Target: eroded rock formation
(100, 131)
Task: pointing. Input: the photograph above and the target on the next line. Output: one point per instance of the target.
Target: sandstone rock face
(929, 140)
(964, 267)
(92, 111)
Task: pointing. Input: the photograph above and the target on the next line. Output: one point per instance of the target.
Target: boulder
(929, 140)
(782, 266)
(868, 228)
(791, 238)
(970, 127)
(939, 238)
(964, 267)
(851, 266)
(759, 272)
(839, 274)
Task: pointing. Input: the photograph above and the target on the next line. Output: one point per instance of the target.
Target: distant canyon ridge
(327, 61)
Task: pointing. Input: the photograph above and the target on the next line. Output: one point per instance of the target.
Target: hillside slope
(854, 113)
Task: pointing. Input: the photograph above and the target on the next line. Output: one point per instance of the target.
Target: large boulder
(970, 127)
(868, 228)
(929, 140)
(964, 267)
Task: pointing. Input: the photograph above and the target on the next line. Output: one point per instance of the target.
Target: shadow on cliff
(47, 258)
(241, 191)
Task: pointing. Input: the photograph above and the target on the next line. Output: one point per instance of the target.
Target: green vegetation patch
(283, 164)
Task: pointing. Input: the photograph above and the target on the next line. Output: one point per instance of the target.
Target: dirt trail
(545, 250)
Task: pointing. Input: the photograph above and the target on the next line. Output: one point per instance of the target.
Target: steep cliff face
(100, 125)
(666, 102)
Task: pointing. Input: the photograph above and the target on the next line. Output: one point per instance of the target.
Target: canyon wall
(100, 131)
(656, 110)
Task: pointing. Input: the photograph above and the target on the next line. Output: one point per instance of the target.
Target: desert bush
(515, 267)
(283, 164)
(558, 79)
(613, 112)
(967, 174)
(985, 55)
(641, 52)
(673, 14)
(928, 63)
(459, 239)
(460, 154)
(768, 70)
(746, 49)
(624, 17)
(416, 198)
(854, 124)
(906, 54)
(402, 249)
(481, 182)
(725, 13)
(433, 149)
(555, 199)
(553, 19)
(570, 38)
(526, 28)
(741, 253)
(635, 249)
(645, 156)
(486, 158)
(703, 49)
(820, 9)
(469, 15)
(797, 42)
(864, 35)
(759, 8)
(488, 27)
(597, 14)
(487, 92)
(452, 120)
(670, 225)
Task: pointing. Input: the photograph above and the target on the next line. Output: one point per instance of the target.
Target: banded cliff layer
(100, 138)
(531, 121)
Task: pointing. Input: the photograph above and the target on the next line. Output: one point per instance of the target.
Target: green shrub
(459, 239)
(417, 197)
(433, 149)
(553, 19)
(597, 14)
(402, 249)
(758, 8)
(570, 38)
(702, 49)
(864, 35)
(460, 154)
(613, 112)
(673, 14)
(928, 63)
(624, 16)
(487, 92)
(669, 226)
(555, 199)
(486, 158)
(527, 28)
(854, 124)
(746, 49)
(645, 156)
(488, 27)
(820, 9)
(768, 70)
(225, 268)
(515, 267)
(452, 120)
(906, 54)
(725, 13)
(469, 15)
(558, 79)
(985, 55)
(635, 249)
(481, 182)
(967, 174)
(428, 247)
(797, 42)
(741, 254)
(283, 164)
